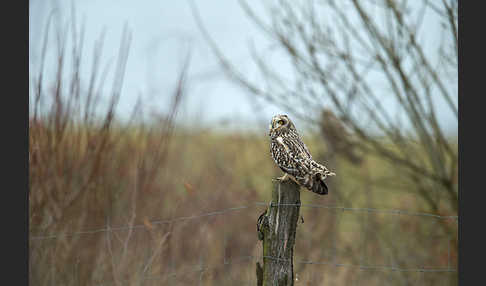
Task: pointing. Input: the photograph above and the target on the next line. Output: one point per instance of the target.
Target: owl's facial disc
(278, 121)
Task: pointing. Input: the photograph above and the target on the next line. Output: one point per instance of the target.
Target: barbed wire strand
(141, 226)
(375, 210)
(223, 211)
(202, 269)
(250, 258)
(198, 268)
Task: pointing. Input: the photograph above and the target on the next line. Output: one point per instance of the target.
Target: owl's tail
(319, 186)
(315, 184)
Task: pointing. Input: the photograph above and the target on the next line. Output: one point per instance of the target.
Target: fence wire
(238, 208)
(251, 258)
(254, 258)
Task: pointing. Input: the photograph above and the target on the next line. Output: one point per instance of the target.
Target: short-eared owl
(293, 157)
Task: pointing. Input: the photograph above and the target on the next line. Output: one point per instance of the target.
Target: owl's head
(281, 123)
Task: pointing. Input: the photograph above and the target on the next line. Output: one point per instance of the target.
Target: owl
(294, 159)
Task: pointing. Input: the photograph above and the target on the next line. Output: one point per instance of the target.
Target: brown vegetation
(143, 202)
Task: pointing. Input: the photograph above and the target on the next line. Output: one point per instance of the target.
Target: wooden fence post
(276, 228)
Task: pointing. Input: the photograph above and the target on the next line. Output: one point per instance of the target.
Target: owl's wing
(296, 159)
(298, 148)
(303, 148)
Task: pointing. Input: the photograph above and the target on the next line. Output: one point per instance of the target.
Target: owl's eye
(281, 122)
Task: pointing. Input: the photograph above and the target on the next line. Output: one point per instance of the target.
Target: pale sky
(162, 33)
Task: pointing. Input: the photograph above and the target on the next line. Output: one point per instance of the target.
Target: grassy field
(93, 178)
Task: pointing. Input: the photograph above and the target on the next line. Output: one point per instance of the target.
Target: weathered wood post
(276, 228)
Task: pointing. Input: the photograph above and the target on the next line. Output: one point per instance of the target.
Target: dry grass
(203, 173)
(89, 171)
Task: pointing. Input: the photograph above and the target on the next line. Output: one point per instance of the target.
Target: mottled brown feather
(293, 157)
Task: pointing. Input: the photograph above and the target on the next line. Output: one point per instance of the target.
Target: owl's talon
(285, 177)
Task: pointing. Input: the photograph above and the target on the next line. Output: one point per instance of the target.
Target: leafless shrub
(85, 168)
(358, 58)
(344, 59)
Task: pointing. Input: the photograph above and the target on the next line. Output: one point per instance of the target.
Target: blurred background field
(137, 193)
(203, 173)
